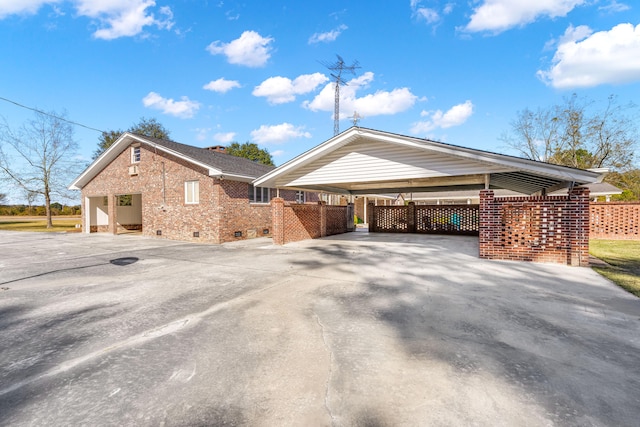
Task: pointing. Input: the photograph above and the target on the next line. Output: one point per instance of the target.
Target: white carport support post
(86, 213)
(366, 221)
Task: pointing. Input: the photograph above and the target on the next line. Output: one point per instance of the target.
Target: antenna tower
(338, 68)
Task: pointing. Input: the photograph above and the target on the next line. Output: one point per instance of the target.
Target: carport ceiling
(364, 161)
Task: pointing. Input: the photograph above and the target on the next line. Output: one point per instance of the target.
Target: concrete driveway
(352, 330)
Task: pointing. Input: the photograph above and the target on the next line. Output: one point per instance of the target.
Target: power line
(51, 115)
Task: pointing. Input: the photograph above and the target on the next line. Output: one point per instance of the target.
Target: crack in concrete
(327, 397)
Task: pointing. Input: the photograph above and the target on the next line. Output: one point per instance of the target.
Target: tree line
(583, 134)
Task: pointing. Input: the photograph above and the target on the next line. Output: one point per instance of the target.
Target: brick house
(177, 191)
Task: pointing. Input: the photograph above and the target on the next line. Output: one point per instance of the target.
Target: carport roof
(364, 161)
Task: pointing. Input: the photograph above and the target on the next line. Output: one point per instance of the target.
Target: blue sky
(219, 71)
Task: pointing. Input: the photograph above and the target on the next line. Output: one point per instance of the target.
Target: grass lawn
(66, 224)
(624, 258)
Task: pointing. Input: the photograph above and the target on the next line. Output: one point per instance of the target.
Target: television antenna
(338, 68)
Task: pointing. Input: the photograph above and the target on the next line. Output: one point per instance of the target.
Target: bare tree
(41, 157)
(576, 134)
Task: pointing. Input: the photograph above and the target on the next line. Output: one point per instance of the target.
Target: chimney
(218, 149)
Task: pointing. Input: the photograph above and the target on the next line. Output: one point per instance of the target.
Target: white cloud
(429, 15)
(500, 15)
(327, 37)
(123, 18)
(278, 133)
(185, 108)
(117, 18)
(22, 7)
(221, 85)
(280, 90)
(457, 115)
(614, 7)
(277, 153)
(587, 59)
(224, 137)
(250, 49)
(378, 103)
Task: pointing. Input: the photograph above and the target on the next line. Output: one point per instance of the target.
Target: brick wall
(223, 208)
(615, 220)
(543, 229)
(294, 222)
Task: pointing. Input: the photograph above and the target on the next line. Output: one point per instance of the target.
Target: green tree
(146, 127)
(3, 198)
(628, 182)
(251, 151)
(42, 158)
(578, 134)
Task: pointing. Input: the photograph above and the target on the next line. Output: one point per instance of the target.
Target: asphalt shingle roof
(226, 163)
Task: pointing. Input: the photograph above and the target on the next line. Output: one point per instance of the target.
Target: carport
(360, 162)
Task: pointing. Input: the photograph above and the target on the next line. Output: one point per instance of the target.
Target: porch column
(323, 218)
(371, 220)
(489, 223)
(579, 227)
(411, 217)
(112, 209)
(277, 220)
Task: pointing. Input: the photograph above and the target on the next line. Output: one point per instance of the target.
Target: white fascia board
(306, 157)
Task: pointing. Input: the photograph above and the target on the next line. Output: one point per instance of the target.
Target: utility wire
(50, 115)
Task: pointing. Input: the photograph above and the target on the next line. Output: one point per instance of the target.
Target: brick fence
(294, 222)
(615, 220)
(543, 229)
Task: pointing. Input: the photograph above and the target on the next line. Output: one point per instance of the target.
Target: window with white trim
(135, 154)
(259, 194)
(192, 192)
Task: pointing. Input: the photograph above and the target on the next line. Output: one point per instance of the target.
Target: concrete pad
(356, 329)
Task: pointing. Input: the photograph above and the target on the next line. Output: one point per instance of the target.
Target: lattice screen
(531, 225)
(392, 219)
(447, 219)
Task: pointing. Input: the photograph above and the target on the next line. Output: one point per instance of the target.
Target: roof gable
(217, 164)
(359, 161)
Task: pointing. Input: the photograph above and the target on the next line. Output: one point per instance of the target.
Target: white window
(259, 194)
(192, 192)
(300, 197)
(135, 154)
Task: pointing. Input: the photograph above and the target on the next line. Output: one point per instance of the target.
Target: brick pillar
(277, 220)
(489, 223)
(372, 218)
(323, 218)
(411, 217)
(579, 227)
(113, 213)
(350, 213)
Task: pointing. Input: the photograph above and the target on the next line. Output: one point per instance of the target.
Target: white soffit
(361, 157)
(375, 161)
